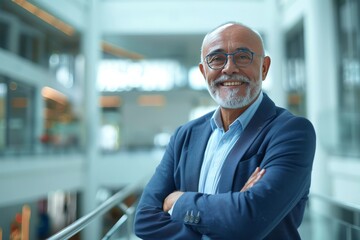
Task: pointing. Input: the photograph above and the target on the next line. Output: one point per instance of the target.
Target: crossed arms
(173, 197)
(248, 213)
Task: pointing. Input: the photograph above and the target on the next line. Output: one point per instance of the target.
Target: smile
(237, 83)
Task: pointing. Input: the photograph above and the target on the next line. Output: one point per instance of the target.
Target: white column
(321, 85)
(91, 50)
(274, 39)
(322, 96)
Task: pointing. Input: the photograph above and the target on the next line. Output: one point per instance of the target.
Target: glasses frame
(233, 59)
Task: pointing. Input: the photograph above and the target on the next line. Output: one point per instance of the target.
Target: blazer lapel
(265, 112)
(197, 145)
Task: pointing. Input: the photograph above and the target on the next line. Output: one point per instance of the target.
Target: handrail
(82, 222)
(117, 225)
(129, 211)
(346, 205)
(345, 215)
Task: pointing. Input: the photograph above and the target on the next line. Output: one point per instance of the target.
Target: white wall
(168, 17)
(29, 178)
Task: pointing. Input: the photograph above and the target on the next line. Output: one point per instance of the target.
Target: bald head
(234, 28)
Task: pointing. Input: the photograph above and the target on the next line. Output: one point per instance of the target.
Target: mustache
(223, 78)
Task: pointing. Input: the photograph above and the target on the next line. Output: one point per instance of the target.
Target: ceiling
(184, 48)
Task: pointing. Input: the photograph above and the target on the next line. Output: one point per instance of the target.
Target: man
(209, 184)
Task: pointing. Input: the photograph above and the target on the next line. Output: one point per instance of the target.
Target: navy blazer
(273, 208)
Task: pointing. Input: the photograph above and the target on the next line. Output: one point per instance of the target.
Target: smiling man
(234, 84)
(240, 172)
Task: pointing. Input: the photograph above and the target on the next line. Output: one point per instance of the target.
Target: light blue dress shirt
(220, 144)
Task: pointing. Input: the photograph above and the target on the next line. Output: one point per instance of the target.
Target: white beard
(232, 99)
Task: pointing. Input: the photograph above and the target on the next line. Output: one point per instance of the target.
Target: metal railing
(129, 211)
(335, 220)
(114, 201)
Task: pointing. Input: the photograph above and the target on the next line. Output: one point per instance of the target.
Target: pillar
(91, 51)
(322, 97)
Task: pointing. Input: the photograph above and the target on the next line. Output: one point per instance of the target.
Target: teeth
(232, 83)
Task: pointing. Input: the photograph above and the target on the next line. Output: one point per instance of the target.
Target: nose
(230, 67)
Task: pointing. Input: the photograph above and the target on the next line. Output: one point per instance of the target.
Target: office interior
(91, 91)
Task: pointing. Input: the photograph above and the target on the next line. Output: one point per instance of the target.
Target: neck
(228, 115)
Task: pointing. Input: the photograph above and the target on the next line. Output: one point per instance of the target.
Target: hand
(174, 196)
(254, 178)
(171, 199)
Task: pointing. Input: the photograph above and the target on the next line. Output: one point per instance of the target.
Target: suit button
(197, 218)
(191, 218)
(187, 217)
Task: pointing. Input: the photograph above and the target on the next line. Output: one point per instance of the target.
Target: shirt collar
(243, 119)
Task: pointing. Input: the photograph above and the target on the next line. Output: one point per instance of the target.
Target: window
(196, 79)
(348, 17)
(29, 47)
(295, 70)
(19, 117)
(125, 75)
(4, 29)
(62, 66)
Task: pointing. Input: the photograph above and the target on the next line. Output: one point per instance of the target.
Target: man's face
(234, 86)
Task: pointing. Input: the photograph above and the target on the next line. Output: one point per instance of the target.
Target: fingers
(170, 200)
(259, 176)
(254, 178)
(255, 173)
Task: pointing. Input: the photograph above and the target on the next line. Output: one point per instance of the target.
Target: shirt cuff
(172, 208)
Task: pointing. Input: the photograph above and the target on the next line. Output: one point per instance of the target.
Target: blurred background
(91, 91)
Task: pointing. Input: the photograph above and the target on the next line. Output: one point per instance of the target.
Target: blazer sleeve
(151, 222)
(253, 214)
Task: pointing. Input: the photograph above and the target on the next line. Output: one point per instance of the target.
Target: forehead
(229, 37)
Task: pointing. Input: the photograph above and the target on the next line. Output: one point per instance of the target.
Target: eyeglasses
(218, 60)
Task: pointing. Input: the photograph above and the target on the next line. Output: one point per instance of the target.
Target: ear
(265, 67)
(202, 69)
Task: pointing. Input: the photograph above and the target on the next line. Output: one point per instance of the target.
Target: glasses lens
(243, 58)
(216, 60)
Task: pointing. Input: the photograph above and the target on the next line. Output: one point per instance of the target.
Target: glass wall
(61, 125)
(16, 118)
(3, 34)
(30, 44)
(33, 117)
(348, 18)
(145, 75)
(294, 81)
